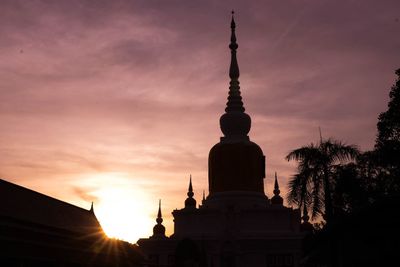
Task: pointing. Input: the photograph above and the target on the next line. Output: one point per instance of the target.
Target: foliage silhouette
(387, 147)
(313, 184)
(363, 196)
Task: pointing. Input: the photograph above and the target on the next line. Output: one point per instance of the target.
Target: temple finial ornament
(159, 219)
(276, 186)
(276, 199)
(234, 67)
(190, 202)
(190, 190)
(159, 229)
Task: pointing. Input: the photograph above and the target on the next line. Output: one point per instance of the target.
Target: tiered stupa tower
(236, 224)
(235, 163)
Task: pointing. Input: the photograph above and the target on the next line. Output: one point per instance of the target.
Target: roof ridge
(43, 195)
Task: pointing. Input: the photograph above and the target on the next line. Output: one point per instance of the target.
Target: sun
(123, 209)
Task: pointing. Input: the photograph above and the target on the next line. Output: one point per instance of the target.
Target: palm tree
(312, 185)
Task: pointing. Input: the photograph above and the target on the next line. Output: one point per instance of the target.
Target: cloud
(84, 195)
(90, 88)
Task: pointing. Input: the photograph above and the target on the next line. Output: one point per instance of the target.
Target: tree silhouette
(313, 184)
(387, 147)
(362, 195)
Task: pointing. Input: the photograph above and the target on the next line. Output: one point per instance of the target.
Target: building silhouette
(236, 224)
(38, 230)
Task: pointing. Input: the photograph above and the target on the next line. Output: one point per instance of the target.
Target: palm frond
(302, 153)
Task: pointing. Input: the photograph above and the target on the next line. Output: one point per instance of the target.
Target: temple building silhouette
(236, 224)
(38, 230)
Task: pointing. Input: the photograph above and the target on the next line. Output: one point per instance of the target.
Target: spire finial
(276, 199)
(235, 123)
(190, 201)
(91, 207)
(159, 229)
(159, 219)
(234, 67)
(190, 190)
(276, 186)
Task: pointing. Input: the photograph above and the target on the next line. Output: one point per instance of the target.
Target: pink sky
(101, 99)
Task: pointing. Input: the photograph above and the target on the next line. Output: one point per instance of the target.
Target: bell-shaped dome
(236, 166)
(158, 230)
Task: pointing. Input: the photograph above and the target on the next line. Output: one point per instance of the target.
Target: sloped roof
(24, 204)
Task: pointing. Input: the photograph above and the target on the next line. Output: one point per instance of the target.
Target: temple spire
(235, 123)
(234, 67)
(190, 202)
(190, 190)
(91, 208)
(159, 229)
(159, 215)
(276, 186)
(276, 199)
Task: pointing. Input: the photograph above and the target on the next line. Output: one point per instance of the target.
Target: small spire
(159, 229)
(276, 199)
(91, 207)
(159, 216)
(190, 201)
(234, 67)
(276, 186)
(190, 190)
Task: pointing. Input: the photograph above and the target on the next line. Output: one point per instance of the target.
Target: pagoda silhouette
(236, 224)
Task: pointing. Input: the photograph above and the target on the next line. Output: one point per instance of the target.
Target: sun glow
(122, 208)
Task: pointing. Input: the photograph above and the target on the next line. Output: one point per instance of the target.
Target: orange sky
(118, 102)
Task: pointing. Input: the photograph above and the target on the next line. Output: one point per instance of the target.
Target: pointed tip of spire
(233, 24)
(190, 184)
(91, 207)
(190, 201)
(159, 229)
(233, 45)
(276, 199)
(159, 215)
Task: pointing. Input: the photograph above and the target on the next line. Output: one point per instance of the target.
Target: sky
(118, 102)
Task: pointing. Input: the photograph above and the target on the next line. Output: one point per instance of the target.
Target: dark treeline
(353, 196)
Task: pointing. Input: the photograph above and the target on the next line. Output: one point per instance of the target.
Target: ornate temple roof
(24, 204)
